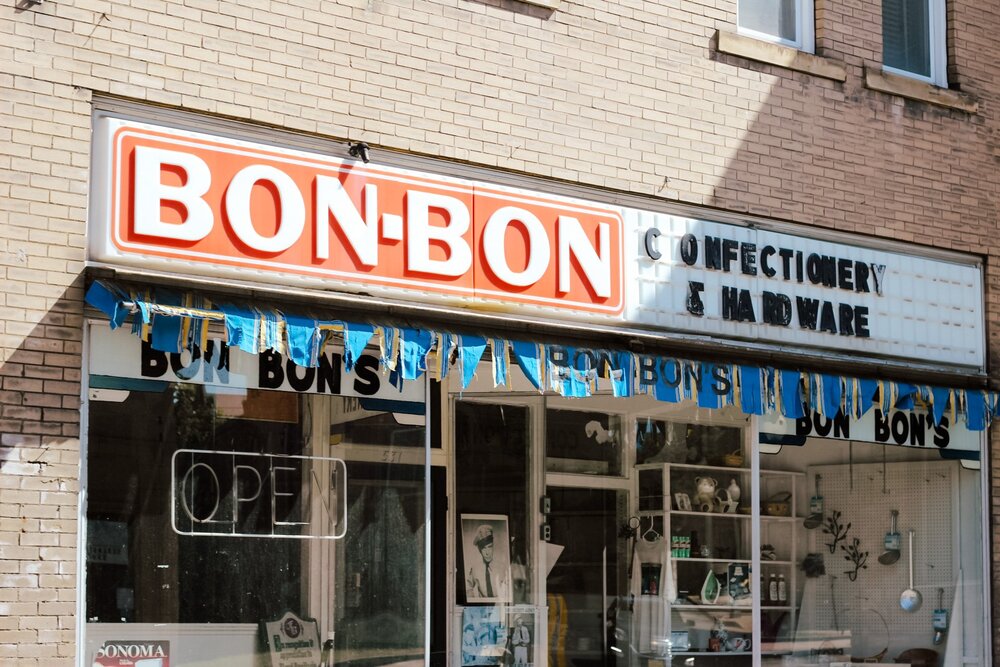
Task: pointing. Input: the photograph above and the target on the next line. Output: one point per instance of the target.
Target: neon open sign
(242, 494)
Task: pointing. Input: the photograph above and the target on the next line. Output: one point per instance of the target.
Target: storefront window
(602, 531)
(221, 526)
(869, 552)
(140, 570)
(494, 549)
(376, 422)
(693, 537)
(583, 442)
(803, 556)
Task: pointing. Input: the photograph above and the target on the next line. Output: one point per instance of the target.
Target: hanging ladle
(891, 543)
(911, 599)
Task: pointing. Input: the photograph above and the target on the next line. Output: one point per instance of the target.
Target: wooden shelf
(659, 481)
(688, 466)
(723, 515)
(713, 607)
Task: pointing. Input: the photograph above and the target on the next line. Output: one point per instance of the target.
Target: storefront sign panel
(228, 207)
(906, 428)
(120, 354)
(186, 202)
(752, 284)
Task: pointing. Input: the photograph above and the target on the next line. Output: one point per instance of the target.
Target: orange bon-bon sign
(218, 203)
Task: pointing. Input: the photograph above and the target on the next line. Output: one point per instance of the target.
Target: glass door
(587, 586)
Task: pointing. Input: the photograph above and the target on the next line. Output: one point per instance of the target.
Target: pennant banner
(171, 323)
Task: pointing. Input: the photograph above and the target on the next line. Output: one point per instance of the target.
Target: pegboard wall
(926, 497)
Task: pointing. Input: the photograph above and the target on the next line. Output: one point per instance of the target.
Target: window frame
(805, 29)
(938, 19)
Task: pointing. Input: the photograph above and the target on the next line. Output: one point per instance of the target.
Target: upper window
(913, 41)
(788, 22)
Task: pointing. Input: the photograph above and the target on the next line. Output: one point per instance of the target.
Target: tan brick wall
(624, 95)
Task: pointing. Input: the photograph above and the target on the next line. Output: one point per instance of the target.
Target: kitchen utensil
(939, 619)
(815, 517)
(891, 553)
(911, 599)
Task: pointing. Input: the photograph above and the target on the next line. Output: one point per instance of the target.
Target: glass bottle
(782, 590)
(772, 589)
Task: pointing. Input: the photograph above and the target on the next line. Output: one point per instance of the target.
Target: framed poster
(486, 558)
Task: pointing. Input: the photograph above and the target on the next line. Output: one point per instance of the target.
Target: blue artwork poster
(484, 636)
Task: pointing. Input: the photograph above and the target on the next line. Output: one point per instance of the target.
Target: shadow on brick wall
(40, 396)
(819, 152)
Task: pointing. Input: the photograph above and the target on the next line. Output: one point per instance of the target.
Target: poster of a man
(519, 637)
(486, 552)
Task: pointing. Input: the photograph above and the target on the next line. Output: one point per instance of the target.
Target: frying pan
(911, 599)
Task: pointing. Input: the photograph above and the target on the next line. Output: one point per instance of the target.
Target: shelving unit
(728, 537)
(785, 534)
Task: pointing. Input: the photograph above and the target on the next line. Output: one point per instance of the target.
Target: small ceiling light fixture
(360, 150)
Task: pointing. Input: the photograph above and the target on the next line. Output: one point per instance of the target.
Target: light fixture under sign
(360, 150)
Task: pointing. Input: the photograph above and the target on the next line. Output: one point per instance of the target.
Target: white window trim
(938, 47)
(805, 29)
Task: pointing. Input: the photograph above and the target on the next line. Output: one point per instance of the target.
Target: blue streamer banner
(173, 322)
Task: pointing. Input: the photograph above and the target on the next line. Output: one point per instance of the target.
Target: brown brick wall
(625, 95)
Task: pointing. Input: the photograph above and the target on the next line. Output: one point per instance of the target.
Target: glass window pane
(582, 442)
(211, 512)
(370, 421)
(906, 35)
(158, 575)
(692, 545)
(697, 444)
(776, 18)
(491, 483)
(587, 587)
(380, 582)
(835, 585)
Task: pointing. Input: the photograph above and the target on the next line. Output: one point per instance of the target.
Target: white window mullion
(807, 26)
(939, 43)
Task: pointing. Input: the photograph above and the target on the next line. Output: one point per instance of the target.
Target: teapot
(725, 503)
